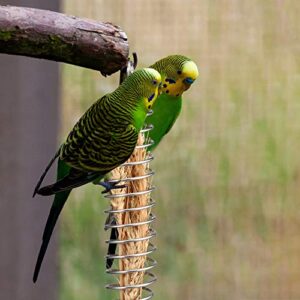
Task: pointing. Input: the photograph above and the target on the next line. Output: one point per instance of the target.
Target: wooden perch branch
(55, 36)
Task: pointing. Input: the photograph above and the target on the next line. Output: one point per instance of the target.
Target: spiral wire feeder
(130, 217)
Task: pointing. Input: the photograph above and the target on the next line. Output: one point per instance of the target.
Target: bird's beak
(189, 80)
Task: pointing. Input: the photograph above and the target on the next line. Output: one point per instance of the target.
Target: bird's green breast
(166, 110)
(139, 116)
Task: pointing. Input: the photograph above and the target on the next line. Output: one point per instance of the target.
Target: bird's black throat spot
(151, 98)
(170, 80)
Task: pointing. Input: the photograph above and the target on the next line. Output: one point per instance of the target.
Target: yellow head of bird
(178, 72)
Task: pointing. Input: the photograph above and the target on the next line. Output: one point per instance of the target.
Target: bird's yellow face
(178, 81)
(152, 89)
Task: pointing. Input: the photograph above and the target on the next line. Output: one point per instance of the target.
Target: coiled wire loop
(150, 263)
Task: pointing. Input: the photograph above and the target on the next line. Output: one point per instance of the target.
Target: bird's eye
(154, 82)
(179, 72)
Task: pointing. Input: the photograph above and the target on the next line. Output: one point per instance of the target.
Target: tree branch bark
(55, 36)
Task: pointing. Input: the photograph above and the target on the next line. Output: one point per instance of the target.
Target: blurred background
(227, 175)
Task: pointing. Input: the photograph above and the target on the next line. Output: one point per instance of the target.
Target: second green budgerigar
(103, 138)
(178, 73)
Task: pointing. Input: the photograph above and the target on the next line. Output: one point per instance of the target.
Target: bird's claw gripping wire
(111, 186)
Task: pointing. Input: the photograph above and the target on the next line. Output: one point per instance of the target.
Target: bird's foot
(111, 186)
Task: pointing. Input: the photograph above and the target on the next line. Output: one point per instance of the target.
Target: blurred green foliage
(227, 175)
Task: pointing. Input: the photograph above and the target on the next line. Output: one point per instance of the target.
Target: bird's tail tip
(36, 271)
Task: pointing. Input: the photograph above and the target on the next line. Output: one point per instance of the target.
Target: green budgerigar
(178, 73)
(103, 138)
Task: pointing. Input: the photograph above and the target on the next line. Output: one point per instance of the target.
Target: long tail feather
(45, 172)
(57, 206)
(112, 247)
